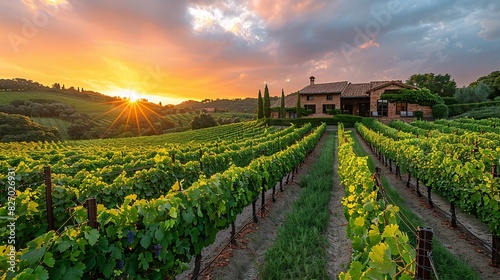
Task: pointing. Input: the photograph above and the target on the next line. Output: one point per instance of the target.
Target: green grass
(448, 266)
(299, 249)
(82, 105)
(61, 125)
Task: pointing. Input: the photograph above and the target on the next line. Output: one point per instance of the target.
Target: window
(329, 97)
(382, 107)
(309, 98)
(310, 107)
(327, 107)
(401, 106)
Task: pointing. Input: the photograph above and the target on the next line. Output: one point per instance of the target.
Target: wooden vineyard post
(263, 202)
(429, 198)
(255, 220)
(424, 249)
(197, 266)
(281, 185)
(91, 205)
(408, 182)
(48, 197)
(495, 251)
(453, 214)
(173, 158)
(418, 190)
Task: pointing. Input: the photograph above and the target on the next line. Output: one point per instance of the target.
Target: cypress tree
(298, 107)
(267, 103)
(282, 107)
(260, 106)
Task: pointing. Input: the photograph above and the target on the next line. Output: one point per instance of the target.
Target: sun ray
(116, 119)
(134, 114)
(146, 117)
(137, 120)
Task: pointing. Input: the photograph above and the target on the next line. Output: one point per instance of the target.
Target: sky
(174, 50)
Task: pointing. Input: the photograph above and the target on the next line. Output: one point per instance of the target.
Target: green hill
(246, 105)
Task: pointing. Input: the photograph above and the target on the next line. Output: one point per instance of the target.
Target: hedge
(347, 120)
(457, 109)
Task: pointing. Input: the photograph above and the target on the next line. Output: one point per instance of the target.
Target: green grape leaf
(92, 236)
(49, 260)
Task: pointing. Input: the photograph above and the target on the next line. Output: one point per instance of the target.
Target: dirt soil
(458, 240)
(223, 260)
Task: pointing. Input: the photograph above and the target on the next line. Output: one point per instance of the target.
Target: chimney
(311, 79)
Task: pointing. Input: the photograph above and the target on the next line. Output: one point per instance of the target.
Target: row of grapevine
(482, 127)
(470, 138)
(453, 130)
(380, 249)
(466, 181)
(156, 238)
(72, 190)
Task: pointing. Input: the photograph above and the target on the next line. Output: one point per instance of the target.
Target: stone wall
(391, 112)
(319, 100)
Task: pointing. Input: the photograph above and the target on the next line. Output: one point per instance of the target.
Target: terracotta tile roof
(374, 84)
(290, 101)
(356, 90)
(381, 84)
(336, 87)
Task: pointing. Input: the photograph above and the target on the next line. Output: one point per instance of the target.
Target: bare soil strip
(241, 261)
(340, 248)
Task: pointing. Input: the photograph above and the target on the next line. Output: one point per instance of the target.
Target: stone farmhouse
(356, 99)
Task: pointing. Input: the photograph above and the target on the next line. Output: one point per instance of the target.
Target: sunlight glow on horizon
(134, 96)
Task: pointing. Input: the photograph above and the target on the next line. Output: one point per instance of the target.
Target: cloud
(200, 48)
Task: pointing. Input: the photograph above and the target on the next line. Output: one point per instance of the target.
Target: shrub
(419, 115)
(449, 100)
(440, 111)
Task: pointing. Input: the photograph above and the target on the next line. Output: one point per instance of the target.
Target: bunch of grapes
(157, 249)
(121, 264)
(130, 237)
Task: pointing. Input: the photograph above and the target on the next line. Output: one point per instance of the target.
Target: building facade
(362, 99)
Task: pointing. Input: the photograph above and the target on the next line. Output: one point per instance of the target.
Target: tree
(15, 127)
(202, 121)
(472, 94)
(492, 80)
(298, 108)
(282, 105)
(441, 85)
(260, 106)
(267, 103)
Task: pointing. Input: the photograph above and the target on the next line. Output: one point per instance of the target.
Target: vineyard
(160, 199)
(145, 207)
(457, 159)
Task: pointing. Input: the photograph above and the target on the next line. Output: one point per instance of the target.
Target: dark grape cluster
(157, 249)
(130, 237)
(121, 264)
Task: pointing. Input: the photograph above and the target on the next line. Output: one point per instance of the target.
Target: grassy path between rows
(299, 251)
(448, 266)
